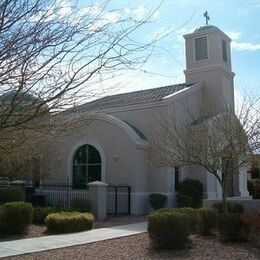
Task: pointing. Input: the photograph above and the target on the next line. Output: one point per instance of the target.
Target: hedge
(15, 217)
(67, 222)
(233, 227)
(231, 207)
(9, 194)
(157, 200)
(208, 218)
(254, 188)
(195, 220)
(168, 229)
(81, 205)
(190, 194)
(40, 214)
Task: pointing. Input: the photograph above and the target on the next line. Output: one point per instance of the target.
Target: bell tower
(208, 60)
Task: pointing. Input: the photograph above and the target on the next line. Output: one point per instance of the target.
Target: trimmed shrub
(190, 194)
(168, 228)
(250, 187)
(67, 222)
(218, 207)
(233, 227)
(253, 222)
(9, 194)
(254, 188)
(195, 221)
(208, 218)
(40, 214)
(81, 205)
(231, 207)
(237, 208)
(157, 200)
(15, 217)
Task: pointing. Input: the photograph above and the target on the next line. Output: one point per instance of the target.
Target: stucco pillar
(98, 198)
(213, 187)
(243, 182)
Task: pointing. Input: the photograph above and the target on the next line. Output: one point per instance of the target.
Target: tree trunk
(224, 201)
(223, 186)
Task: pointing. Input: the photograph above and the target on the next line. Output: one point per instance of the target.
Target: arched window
(86, 166)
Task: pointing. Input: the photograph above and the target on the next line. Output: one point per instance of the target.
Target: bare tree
(219, 143)
(52, 54)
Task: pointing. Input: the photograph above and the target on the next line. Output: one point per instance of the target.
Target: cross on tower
(206, 15)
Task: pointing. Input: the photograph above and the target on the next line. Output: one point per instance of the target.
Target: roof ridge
(142, 90)
(132, 98)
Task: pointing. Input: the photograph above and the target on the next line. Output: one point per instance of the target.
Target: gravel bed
(138, 247)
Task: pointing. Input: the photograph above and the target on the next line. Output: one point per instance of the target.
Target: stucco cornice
(210, 68)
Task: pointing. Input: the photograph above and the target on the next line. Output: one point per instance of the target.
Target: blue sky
(239, 19)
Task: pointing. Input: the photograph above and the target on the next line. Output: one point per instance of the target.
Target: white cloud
(182, 31)
(156, 15)
(91, 10)
(105, 19)
(245, 46)
(159, 33)
(65, 8)
(239, 45)
(140, 13)
(111, 17)
(234, 35)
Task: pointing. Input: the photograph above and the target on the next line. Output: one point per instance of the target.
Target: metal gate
(118, 200)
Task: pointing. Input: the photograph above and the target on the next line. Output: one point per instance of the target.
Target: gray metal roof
(205, 28)
(132, 98)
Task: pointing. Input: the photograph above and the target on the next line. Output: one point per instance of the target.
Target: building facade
(111, 136)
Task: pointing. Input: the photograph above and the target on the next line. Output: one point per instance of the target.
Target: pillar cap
(97, 183)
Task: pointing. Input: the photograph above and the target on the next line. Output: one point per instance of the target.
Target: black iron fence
(58, 195)
(119, 200)
(61, 195)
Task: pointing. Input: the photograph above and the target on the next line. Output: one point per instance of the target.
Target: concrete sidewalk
(31, 245)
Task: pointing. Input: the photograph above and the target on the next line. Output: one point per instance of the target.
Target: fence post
(129, 200)
(116, 197)
(98, 198)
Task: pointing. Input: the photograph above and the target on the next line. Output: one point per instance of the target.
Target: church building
(110, 142)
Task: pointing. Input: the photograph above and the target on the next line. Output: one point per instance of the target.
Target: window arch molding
(73, 152)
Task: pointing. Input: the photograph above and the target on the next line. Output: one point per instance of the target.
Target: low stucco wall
(251, 206)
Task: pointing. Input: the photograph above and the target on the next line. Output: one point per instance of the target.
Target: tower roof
(205, 28)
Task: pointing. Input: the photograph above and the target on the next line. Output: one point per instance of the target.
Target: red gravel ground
(138, 247)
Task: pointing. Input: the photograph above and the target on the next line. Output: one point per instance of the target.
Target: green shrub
(157, 200)
(190, 194)
(40, 214)
(9, 194)
(15, 217)
(250, 187)
(67, 222)
(218, 206)
(254, 188)
(253, 222)
(237, 208)
(233, 227)
(195, 221)
(208, 218)
(231, 207)
(168, 228)
(81, 205)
